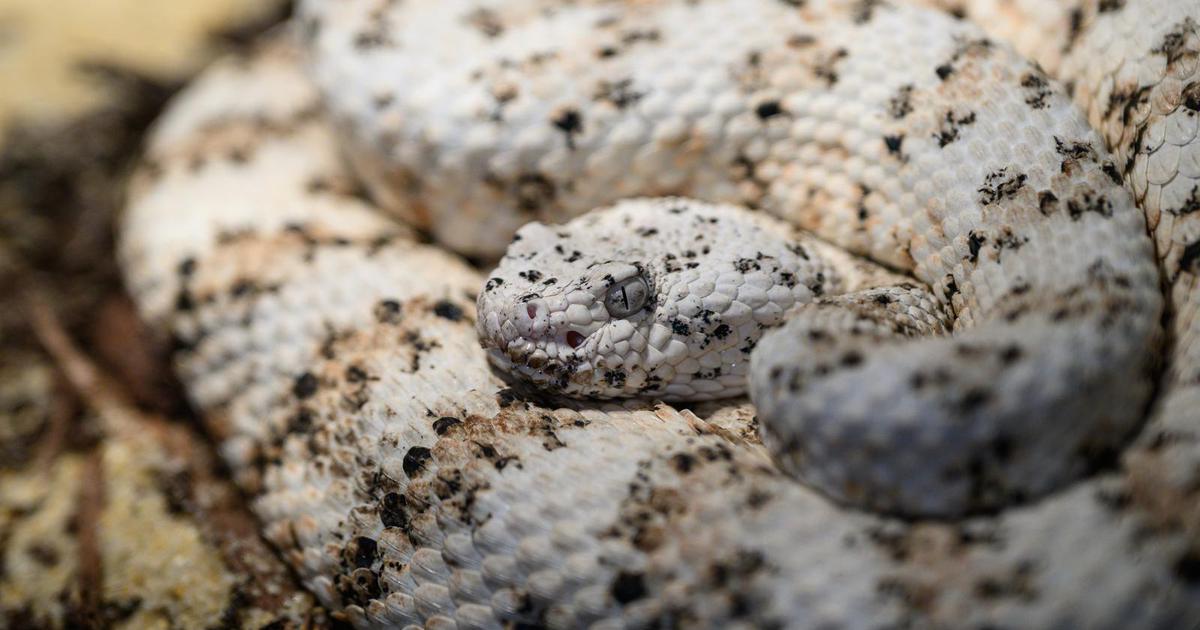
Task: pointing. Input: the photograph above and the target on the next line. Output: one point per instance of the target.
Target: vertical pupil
(624, 298)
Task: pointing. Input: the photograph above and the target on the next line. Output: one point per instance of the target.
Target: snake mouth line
(551, 351)
(544, 372)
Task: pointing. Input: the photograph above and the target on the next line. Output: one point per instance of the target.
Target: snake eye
(627, 297)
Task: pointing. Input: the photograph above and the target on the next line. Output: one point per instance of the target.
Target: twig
(98, 390)
(63, 408)
(87, 518)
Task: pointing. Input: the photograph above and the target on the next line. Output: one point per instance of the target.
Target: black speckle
(388, 312)
(628, 587)
(951, 288)
(1089, 202)
(570, 122)
(355, 374)
(1191, 97)
(893, 144)
(448, 310)
(1190, 260)
(1037, 90)
(532, 275)
(944, 71)
(1073, 151)
(364, 552)
(826, 68)
(414, 460)
(620, 93)
(768, 109)
(1008, 240)
(680, 327)
(683, 462)
(1047, 202)
(1010, 354)
(745, 265)
(722, 331)
(391, 510)
(444, 424)
(901, 104)
(952, 126)
(817, 286)
(1190, 205)
(797, 249)
(974, 242)
(1000, 185)
(305, 385)
(1110, 169)
(1174, 43)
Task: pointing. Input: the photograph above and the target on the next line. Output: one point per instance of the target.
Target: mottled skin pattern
(1045, 327)
(1134, 67)
(666, 298)
(337, 364)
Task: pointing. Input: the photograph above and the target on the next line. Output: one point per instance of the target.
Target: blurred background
(113, 510)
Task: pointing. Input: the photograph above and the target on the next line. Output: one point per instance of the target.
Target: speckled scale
(954, 159)
(1133, 68)
(1139, 80)
(714, 278)
(660, 516)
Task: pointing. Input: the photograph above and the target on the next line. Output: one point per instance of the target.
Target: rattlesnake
(336, 361)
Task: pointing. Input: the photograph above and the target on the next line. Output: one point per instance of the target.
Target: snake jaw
(524, 340)
(536, 367)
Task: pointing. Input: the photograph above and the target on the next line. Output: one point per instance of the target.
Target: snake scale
(946, 302)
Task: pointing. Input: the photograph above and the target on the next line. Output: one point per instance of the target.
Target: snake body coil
(336, 359)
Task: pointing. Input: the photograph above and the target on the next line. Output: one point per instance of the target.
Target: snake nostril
(574, 339)
(531, 311)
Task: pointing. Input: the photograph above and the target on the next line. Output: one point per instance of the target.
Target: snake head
(659, 298)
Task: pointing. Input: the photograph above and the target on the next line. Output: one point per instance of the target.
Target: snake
(940, 272)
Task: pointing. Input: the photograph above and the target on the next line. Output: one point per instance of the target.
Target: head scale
(661, 298)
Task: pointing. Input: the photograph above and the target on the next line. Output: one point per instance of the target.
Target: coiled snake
(962, 421)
